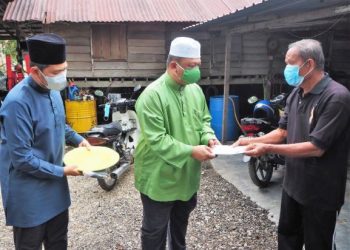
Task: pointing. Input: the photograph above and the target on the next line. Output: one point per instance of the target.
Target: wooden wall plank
(127, 73)
(79, 73)
(78, 41)
(254, 43)
(78, 49)
(115, 73)
(146, 43)
(153, 26)
(118, 42)
(147, 50)
(194, 35)
(240, 72)
(101, 41)
(245, 64)
(79, 66)
(127, 66)
(146, 58)
(255, 51)
(205, 58)
(150, 66)
(110, 65)
(146, 35)
(245, 57)
(78, 57)
(255, 57)
(71, 30)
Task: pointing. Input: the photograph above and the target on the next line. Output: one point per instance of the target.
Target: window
(109, 42)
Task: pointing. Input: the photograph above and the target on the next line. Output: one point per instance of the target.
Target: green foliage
(8, 47)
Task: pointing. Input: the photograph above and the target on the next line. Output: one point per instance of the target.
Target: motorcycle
(266, 115)
(121, 135)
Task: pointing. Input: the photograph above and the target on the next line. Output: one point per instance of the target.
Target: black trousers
(160, 218)
(52, 233)
(300, 225)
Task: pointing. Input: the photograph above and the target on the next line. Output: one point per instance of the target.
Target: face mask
(291, 74)
(57, 82)
(191, 75)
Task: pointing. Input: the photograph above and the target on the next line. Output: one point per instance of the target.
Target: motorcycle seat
(251, 120)
(110, 129)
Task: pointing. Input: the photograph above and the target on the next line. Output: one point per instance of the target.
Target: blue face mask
(57, 82)
(291, 74)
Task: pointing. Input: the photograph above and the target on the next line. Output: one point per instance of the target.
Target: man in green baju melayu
(175, 137)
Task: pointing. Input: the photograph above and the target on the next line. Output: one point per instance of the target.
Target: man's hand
(256, 149)
(241, 142)
(236, 143)
(202, 153)
(71, 170)
(85, 143)
(213, 142)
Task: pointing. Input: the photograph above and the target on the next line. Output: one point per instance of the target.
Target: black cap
(47, 49)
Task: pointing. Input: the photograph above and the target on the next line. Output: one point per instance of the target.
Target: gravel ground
(224, 217)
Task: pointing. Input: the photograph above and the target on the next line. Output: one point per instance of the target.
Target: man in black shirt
(316, 127)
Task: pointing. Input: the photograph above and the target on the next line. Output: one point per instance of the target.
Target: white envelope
(228, 150)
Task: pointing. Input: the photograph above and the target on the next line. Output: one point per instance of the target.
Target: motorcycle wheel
(260, 172)
(107, 183)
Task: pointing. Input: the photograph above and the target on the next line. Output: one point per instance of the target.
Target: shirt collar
(36, 86)
(172, 83)
(321, 85)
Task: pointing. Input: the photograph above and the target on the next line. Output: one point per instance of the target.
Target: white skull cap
(185, 47)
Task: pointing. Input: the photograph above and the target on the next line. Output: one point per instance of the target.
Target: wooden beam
(88, 83)
(239, 80)
(111, 84)
(6, 38)
(291, 20)
(305, 25)
(10, 32)
(227, 77)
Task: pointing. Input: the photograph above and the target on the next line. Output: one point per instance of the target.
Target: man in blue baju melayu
(32, 139)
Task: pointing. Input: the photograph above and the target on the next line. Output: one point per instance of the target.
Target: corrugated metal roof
(267, 7)
(240, 7)
(51, 11)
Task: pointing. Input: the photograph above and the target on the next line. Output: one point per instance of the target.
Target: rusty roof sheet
(51, 11)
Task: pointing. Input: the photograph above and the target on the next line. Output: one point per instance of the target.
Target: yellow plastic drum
(81, 115)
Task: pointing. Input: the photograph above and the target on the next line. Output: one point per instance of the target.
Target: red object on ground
(27, 62)
(15, 75)
(10, 80)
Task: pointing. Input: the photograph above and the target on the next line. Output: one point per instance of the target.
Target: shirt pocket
(3, 138)
(197, 119)
(302, 127)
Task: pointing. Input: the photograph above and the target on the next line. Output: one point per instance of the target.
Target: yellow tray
(96, 159)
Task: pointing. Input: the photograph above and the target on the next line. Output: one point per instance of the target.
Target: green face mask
(191, 75)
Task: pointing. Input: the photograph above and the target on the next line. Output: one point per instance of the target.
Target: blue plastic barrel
(216, 109)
